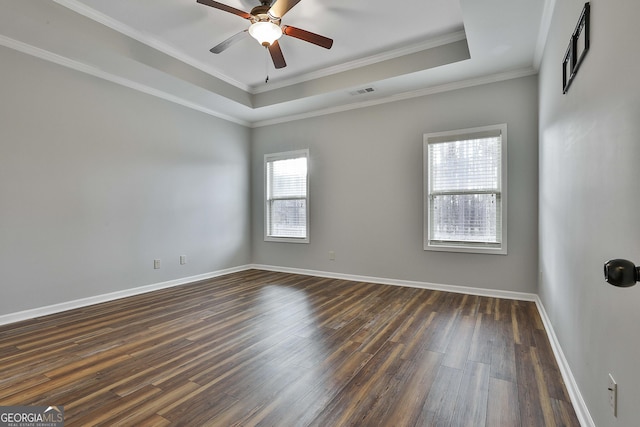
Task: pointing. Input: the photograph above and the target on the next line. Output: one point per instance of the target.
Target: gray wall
(589, 204)
(366, 188)
(97, 180)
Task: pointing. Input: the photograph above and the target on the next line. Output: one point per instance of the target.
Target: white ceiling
(162, 47)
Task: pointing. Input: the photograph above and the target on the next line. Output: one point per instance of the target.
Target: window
(465, 190)
(287, 197)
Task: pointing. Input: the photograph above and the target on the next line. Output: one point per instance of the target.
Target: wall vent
(362, 91)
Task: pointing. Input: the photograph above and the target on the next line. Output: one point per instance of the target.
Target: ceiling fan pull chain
(266, 64)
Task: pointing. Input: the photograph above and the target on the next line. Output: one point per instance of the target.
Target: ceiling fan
(266, 28)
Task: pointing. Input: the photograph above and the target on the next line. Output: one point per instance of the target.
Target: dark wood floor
(274, 349)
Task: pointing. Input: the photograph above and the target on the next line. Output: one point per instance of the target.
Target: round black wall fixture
(621, 273)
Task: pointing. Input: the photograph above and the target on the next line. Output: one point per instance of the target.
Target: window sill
(472, 249)
(286, 239)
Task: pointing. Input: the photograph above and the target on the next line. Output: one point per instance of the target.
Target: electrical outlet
(332, 256)
(183, 259)
(613, 395)
(156, 264)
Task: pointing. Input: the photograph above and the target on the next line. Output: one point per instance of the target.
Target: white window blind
(286, 195)
(464, 189)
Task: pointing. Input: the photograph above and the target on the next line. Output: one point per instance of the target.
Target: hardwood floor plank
(353, 403)
(19, 385)
(551, 372)
(564, 414)
(418, 376)
(259, 348)
(486, 306)
(146, 409)
(32, 394)
(503, 408)
(419, 340)
(304, 400)
(503, 354)
(97, 390)
(380, 332)
(457, 351)
(480, 349)
(113, 409)
(439, 406)
(416, 312)
(154, 421)
(471, 403)
(442, 330)
(525, 322)
(531, 411)
(74, 411)
(545, 400)
(38, 365)
(470, 305)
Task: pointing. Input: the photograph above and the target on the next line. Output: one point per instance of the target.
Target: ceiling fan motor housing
(261, 14)
(266, 27)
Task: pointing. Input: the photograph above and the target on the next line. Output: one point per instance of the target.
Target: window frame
(285, 156)
(462, 246)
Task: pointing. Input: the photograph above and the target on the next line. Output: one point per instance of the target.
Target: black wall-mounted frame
(577, 49)
(567, 74)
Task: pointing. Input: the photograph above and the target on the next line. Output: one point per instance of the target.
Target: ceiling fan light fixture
(265, 32)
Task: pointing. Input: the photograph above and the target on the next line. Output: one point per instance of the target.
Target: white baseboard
(579, 405)
(83, 302)
(494, 293)
(578, 402)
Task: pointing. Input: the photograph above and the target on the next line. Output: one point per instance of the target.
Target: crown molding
(363, 62)
(153, 42)
(147, 39)
(543, 31)
(96, 72)
(477, 81)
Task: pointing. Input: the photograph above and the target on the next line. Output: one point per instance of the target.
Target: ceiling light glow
(265, 32)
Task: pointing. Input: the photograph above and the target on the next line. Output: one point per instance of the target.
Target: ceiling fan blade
(308, 36)
(226, 8)
(228, 42)
(281, 7)
(276, 55)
